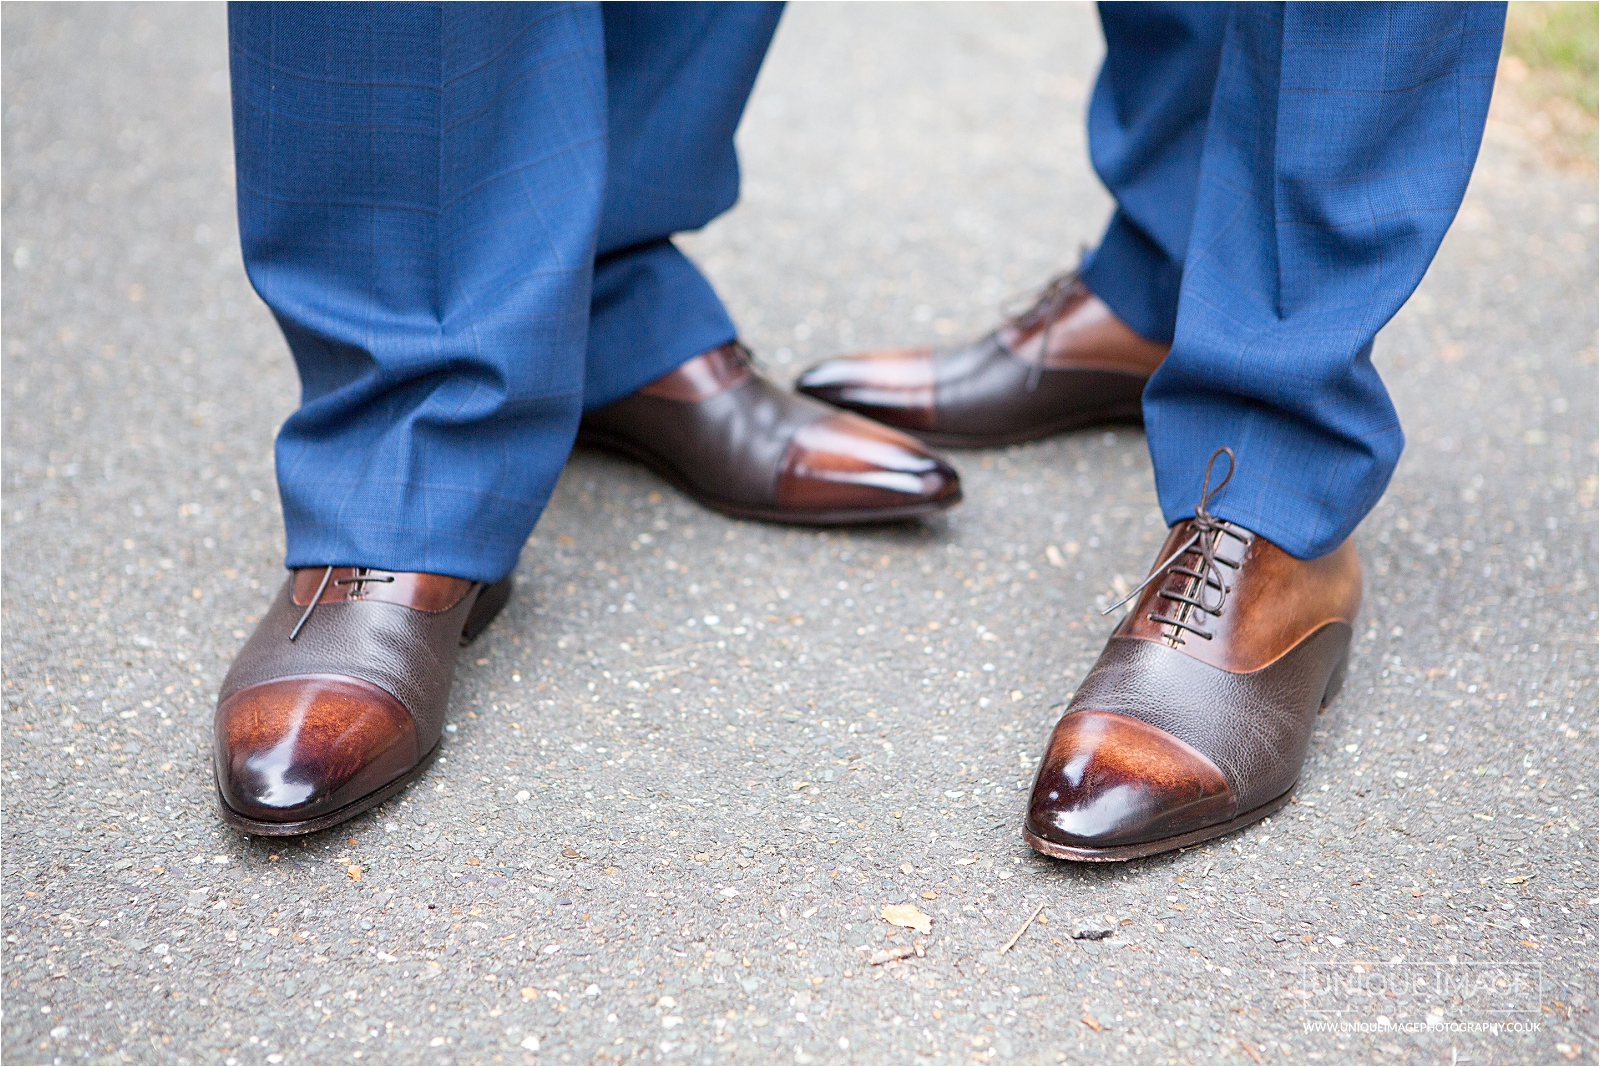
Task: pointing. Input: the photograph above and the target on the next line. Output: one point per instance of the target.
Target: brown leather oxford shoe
(1196, 718)
(1065, 363)
(337, 701)
(735, 442)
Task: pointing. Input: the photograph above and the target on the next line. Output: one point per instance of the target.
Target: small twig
(1022, 929)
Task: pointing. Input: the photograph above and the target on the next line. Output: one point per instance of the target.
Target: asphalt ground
(695, 758)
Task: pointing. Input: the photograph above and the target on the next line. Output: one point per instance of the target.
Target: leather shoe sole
(262, 828)
(1111, 415)
(1122, 853)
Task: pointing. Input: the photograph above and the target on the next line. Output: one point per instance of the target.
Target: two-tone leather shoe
(1065, 363)
(725, 435)
(337, 701)
(1196, 718)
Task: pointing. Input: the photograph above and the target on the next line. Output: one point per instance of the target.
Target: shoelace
(749, 357)
(1047, 308)
(1207, 529)
(363, 575)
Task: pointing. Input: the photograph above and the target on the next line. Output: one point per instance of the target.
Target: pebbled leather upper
(1255, 727)
(408, 653)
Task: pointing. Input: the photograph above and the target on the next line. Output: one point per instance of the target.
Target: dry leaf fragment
(354, 871)
(907, 915)
(473, 861)
(1519, 879)
(889, 955)
(928, 894)
(529, 993)
(570, 853)
(1091, 1022)
(1250, 1049)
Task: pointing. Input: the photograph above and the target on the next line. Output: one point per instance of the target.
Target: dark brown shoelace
(1210, 576)
(363, 575)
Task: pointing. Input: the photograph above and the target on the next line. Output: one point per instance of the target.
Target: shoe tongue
(424, 592)
(1230, 542)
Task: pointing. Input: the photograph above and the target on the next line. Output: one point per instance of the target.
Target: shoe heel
(1335, 680)
(490, 601)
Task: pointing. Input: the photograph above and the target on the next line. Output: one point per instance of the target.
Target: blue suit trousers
(461, 216)
(1284, 174)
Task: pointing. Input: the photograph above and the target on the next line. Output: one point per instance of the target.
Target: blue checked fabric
(1284, 176)
(460, 215)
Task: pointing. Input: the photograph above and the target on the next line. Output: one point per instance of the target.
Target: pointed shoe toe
(296, 750)
(844, 467)
(894, 387)
(1110, 783)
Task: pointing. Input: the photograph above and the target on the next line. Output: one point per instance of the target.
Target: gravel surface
(695, 759)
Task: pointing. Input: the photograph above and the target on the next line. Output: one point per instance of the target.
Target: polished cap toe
(1109, 779)
(297, 748)
(895, 386)
(844, 463)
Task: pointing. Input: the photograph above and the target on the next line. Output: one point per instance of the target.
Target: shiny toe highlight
(843, 462)
(1109, 779)
(296, 748)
